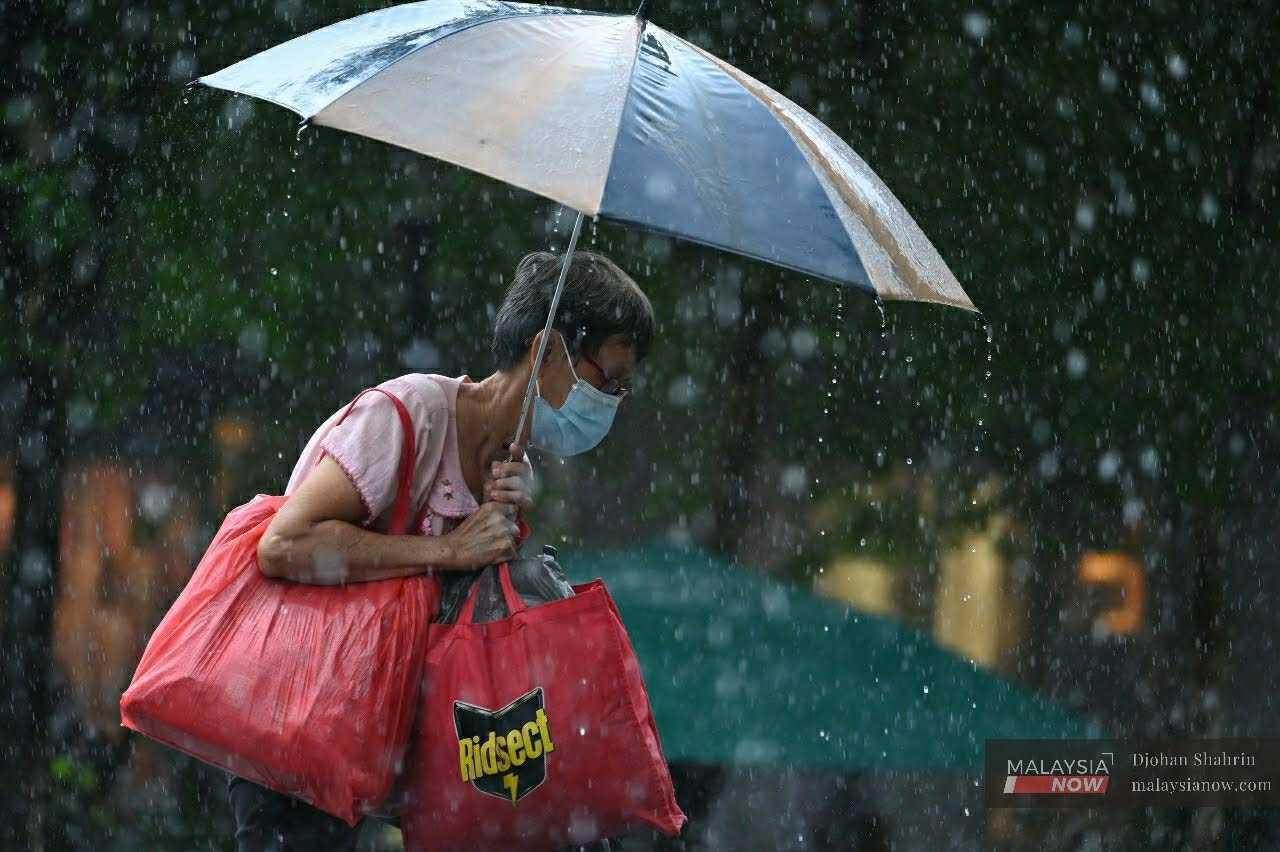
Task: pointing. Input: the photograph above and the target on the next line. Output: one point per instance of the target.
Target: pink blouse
(368, 442)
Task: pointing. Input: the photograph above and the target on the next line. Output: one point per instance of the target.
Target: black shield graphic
(503, 752)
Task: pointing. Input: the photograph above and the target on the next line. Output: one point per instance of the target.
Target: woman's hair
(598, 300)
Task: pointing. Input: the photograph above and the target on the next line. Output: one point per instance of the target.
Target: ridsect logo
(1064, 776)
(503, 753)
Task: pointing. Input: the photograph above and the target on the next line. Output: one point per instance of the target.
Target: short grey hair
(598, 301)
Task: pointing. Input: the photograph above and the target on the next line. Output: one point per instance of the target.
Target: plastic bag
(308, 690)
(538, 580)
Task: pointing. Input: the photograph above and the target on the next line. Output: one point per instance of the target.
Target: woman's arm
(314, 538)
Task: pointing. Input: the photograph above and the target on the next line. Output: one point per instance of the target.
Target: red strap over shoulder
(400, 509)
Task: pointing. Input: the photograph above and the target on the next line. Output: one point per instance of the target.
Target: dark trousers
(267, 821)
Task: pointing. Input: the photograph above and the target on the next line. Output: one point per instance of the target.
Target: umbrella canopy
(744, 669)
(615, 117)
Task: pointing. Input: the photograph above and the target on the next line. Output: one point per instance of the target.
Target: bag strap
(514, 602)
(400, 509)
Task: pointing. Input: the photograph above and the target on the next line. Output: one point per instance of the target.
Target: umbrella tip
(640, 10)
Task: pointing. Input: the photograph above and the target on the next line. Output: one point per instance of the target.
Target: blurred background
(1060, 521)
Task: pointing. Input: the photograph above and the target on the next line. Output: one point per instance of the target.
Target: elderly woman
(468, 496)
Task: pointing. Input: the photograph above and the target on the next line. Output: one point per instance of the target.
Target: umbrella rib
(622, 113)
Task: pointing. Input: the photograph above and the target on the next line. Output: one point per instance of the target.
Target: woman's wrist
(439, 552)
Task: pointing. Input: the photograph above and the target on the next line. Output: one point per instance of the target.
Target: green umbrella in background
(745, 669)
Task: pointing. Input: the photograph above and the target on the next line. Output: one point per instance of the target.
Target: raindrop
(1208, 208)
(1109, 465)
(793, 479)
(986, 382)
(1086, 216)
(155, 501)
(34, 569)
(884, 345)
(1077, 363)
(977, 25)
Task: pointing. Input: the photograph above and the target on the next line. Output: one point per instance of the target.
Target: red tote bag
(535, 731)
(308, 690)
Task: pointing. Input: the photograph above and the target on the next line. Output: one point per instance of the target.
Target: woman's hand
(485, 537)
(510, 483)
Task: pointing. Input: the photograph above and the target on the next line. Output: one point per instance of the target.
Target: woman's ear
(553, 355)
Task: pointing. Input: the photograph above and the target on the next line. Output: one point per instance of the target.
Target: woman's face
(616, 360)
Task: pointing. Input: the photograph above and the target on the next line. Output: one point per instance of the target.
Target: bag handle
(514, 602)
(400, 509)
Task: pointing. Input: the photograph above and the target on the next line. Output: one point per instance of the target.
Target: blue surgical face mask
(577, 425)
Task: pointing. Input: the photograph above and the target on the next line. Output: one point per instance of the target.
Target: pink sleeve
(367, 445)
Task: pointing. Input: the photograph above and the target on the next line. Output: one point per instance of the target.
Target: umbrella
(612, 116)
(763, 673)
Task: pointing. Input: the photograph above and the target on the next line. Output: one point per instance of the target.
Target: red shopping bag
(535, 731)
(307, 690)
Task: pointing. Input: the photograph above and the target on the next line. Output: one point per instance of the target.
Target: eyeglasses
(613, 387)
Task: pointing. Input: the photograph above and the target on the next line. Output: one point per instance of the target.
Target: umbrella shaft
(546, 329)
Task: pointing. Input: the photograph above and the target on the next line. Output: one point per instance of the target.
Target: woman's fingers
(510, 495)
(508, 482)
(505, 485)
(508, 513)
(503, 469)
